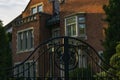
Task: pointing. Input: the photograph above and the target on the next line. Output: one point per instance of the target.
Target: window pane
(71, 26)
(30, 39)
(74, 29)
(21, 71)
(71, 30)
(21, 41)
(32, 69)
(70, 20)
(34, 10)
(81, 19)
(81, 29)
(24, 40)
(18, 41)
(26, 70)
(40, 8)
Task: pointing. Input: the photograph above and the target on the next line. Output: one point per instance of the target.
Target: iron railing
(62, 58)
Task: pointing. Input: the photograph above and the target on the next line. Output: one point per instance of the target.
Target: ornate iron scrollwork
(59, 57)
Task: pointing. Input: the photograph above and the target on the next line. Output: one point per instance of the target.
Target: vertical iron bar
(23, 70)
(44, 66)
(34, 69)
(17, 71)
(28, 70)
(51, 65)
(66, 58)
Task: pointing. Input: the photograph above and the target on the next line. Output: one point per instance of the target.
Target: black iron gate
(62, 58)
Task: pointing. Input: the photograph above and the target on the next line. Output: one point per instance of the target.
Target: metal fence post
(66, 58)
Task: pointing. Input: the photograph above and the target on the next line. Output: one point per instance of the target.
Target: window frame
(32, 10)
(77, 25)
(22, 32)
(36, 6)
(66, 25)
(84, 22)
(30, 62)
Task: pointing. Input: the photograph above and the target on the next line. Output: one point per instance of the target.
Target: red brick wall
(47, 7)
(94, 15)
(38, 30)
(94, 23)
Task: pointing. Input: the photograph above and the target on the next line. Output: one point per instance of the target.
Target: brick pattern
(47, 7)
(94, 18)
(94, 23)
(38, 30)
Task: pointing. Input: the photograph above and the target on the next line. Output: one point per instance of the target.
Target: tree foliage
(115, 61)
(115, 71)
(5, 52)
(112, 33)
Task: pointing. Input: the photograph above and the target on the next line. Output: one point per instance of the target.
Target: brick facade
(47, 7)
(94, 25)
(94, 18)
(39, 28)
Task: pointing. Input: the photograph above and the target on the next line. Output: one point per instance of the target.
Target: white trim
(77, 15)
(25, 29)
(71, 24)
(36, 6)
(18, 52)
(77, 25)
(65, 28)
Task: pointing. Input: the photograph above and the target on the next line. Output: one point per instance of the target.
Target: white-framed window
(56, 32)
(71, 24)
(40, 8)
(75, 26)
(37, 8)
(34, 10)
(25, 40)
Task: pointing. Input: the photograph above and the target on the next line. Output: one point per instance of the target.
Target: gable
(47, 7)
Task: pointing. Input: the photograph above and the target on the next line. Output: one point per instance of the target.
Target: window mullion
(71, 31)
(66, 29)
(77, 26)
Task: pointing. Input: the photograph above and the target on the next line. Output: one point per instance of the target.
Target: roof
(9, 25)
